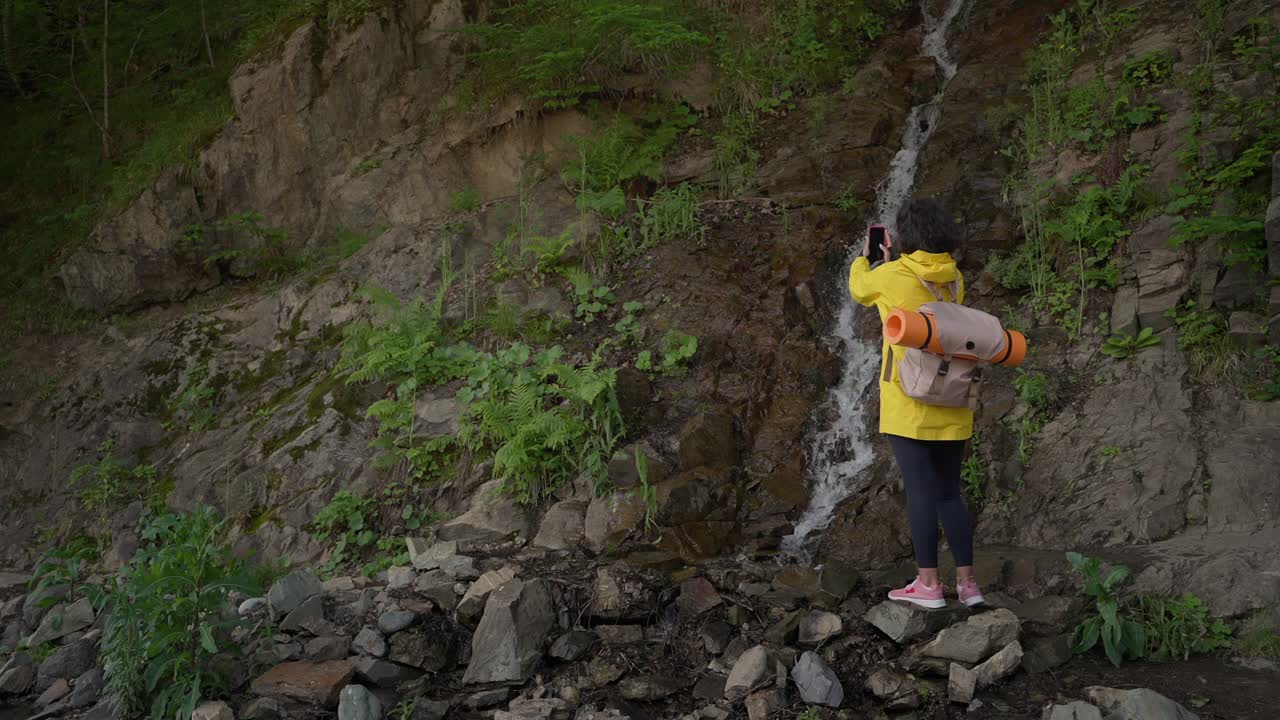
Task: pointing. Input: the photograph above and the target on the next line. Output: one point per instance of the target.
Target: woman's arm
(862, 286)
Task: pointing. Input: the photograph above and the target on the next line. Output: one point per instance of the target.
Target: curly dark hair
(923, 224)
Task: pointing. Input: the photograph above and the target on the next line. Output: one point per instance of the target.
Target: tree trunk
(106, 81)
(9, 63)
(204, 28)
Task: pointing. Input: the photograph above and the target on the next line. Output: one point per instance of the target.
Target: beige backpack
(949, 378)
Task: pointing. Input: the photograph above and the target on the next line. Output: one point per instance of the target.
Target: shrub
(673, 214)
(110, 482)
(1033, 389)
(346, 520)
(1123, 345)
(465, 200)
(558, 51)
(1178, 628)
(167, 643)
(1120, 635)
(675, 352)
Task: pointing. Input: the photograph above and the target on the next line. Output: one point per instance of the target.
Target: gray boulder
(571, 645)
(370, 642)
(17, 677)
(819, 626)
(291, 591)
(818, 683)
(87, 688)
(976, 639)
(648, 688)
(307, 616)
(429, 558)
(494, 516)
(904, 622)
(749, 672)
(421, 648)
(1072, 711)
(1140, 704)
(473, 602)
(329, 647)
(355, 702)
(67, 663)
(393, 621)
(61, 621)
(383, 673)
(508, 643)
(562, 526)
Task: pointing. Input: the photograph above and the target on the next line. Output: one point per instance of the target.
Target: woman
(927, 440)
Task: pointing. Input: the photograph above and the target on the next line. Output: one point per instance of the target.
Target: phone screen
(877, 235)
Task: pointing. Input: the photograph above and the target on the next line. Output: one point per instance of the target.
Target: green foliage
(974, 472)
(167, 644)
(1261, 643)
(673, 214)
(347, 521)
(736, 158)
(811, 713)
(675, 352)
(263, 248)
(623, 149)
(1033, 388)
(592, 299)
(1177, 628)
(196, 407)
(110, 483)
(465, 200)
(1123, 345)
(648, 493)
(1203, 334)
(66, 565)
(558, 51)
(1122, 637)
(1151, 68)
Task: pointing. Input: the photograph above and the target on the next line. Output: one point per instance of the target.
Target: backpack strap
(887, 374)
(936, 291)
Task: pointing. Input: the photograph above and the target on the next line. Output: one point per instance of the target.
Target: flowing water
(842, 453)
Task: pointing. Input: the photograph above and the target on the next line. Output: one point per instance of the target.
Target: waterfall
(842, 452)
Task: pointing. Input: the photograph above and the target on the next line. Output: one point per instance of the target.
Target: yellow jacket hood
(937, 268)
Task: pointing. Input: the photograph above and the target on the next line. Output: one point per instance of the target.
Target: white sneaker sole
(978, 600)
(928, 604)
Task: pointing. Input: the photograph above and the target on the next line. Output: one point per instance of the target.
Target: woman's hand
(884, 250)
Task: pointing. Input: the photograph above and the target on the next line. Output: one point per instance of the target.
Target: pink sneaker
(918, 594)
(969, 593)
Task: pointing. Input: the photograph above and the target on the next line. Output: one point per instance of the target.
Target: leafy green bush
(167, 643)
(346, 520)
(196, 406)
(1178, 628)
(1151, 68)
(65, 565)
(974, 472)
(675, 352)
(592, 298)
(111, 483)
(264, 248)
(465, 200)
(558, 51)
(1122, 637)
(1123, 345)
(1203, 334)
(1033, 388)
(1260, 643)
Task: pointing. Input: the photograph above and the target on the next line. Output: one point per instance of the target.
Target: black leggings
(931, 477)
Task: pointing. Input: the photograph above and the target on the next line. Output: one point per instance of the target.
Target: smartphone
(879, 235)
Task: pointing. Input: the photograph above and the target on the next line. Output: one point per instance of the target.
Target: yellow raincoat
(893, 285)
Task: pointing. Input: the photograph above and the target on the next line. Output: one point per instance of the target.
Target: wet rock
(819, 626)
(429, 650)
(55, 692)
(37, 604)
(762, 705)
(1161, 272)
(710, 687)
(67, 662)
(623, 472)
(213, 710)
(562, 526)
(1137, 704)
(892, 689)
(355, 702)
(817, 683)
(715, 636)
(1046, 653)
(440, 589)
(602, 671)
(252, 606)
(904, 622)
(708, 440)
(610, 519)
(532, 709)
(473, 602)
(1124, 310)
(1001, 665)
(648, 688)
(291, 591)
(309, 615)
(1048, 615)
(18, 675)
(431, 557)
(311, 683)
(336, 585)
(370, 642)
(962, 684)
(571, 645)
(507, 645)
(750, 671)
(1239, 287)
(330, 647)
(61, 621)
(1072, 711)
(262, 709)
(393, 621)
(620, 634)
(975, 639)
(825, 587)
(784, 631)
(383, 673)
(88, 687)
(400, 577)
(1247, 329)
(425, 709)
(697, 595)
(620, 595)
(487, 698)
(493, 517)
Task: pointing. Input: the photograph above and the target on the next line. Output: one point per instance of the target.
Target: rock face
(494, 516)
(508, 643)
(311, 683)
(291, 591)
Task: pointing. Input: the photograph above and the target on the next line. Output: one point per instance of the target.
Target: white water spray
(842, 452)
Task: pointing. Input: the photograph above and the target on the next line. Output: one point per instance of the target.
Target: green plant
(64, 565)
(1122, 637)
(346, 520)
(366, 166)
(558, 51)
(735, 156)
(196, 405)
(263, 248)
(1151, 68)
(1177, 628)
(592, 299)
(1203, 334)
(1123, 345)
(811, 713)
(1033, 388)
(1260, 643)
(648, 493)
(676, 350)
(1111, 451)
(974, 472)
(111, 483)
(465, 200)
(673, 214)
(167, 643)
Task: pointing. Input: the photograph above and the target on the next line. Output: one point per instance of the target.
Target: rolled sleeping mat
(907, 328)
